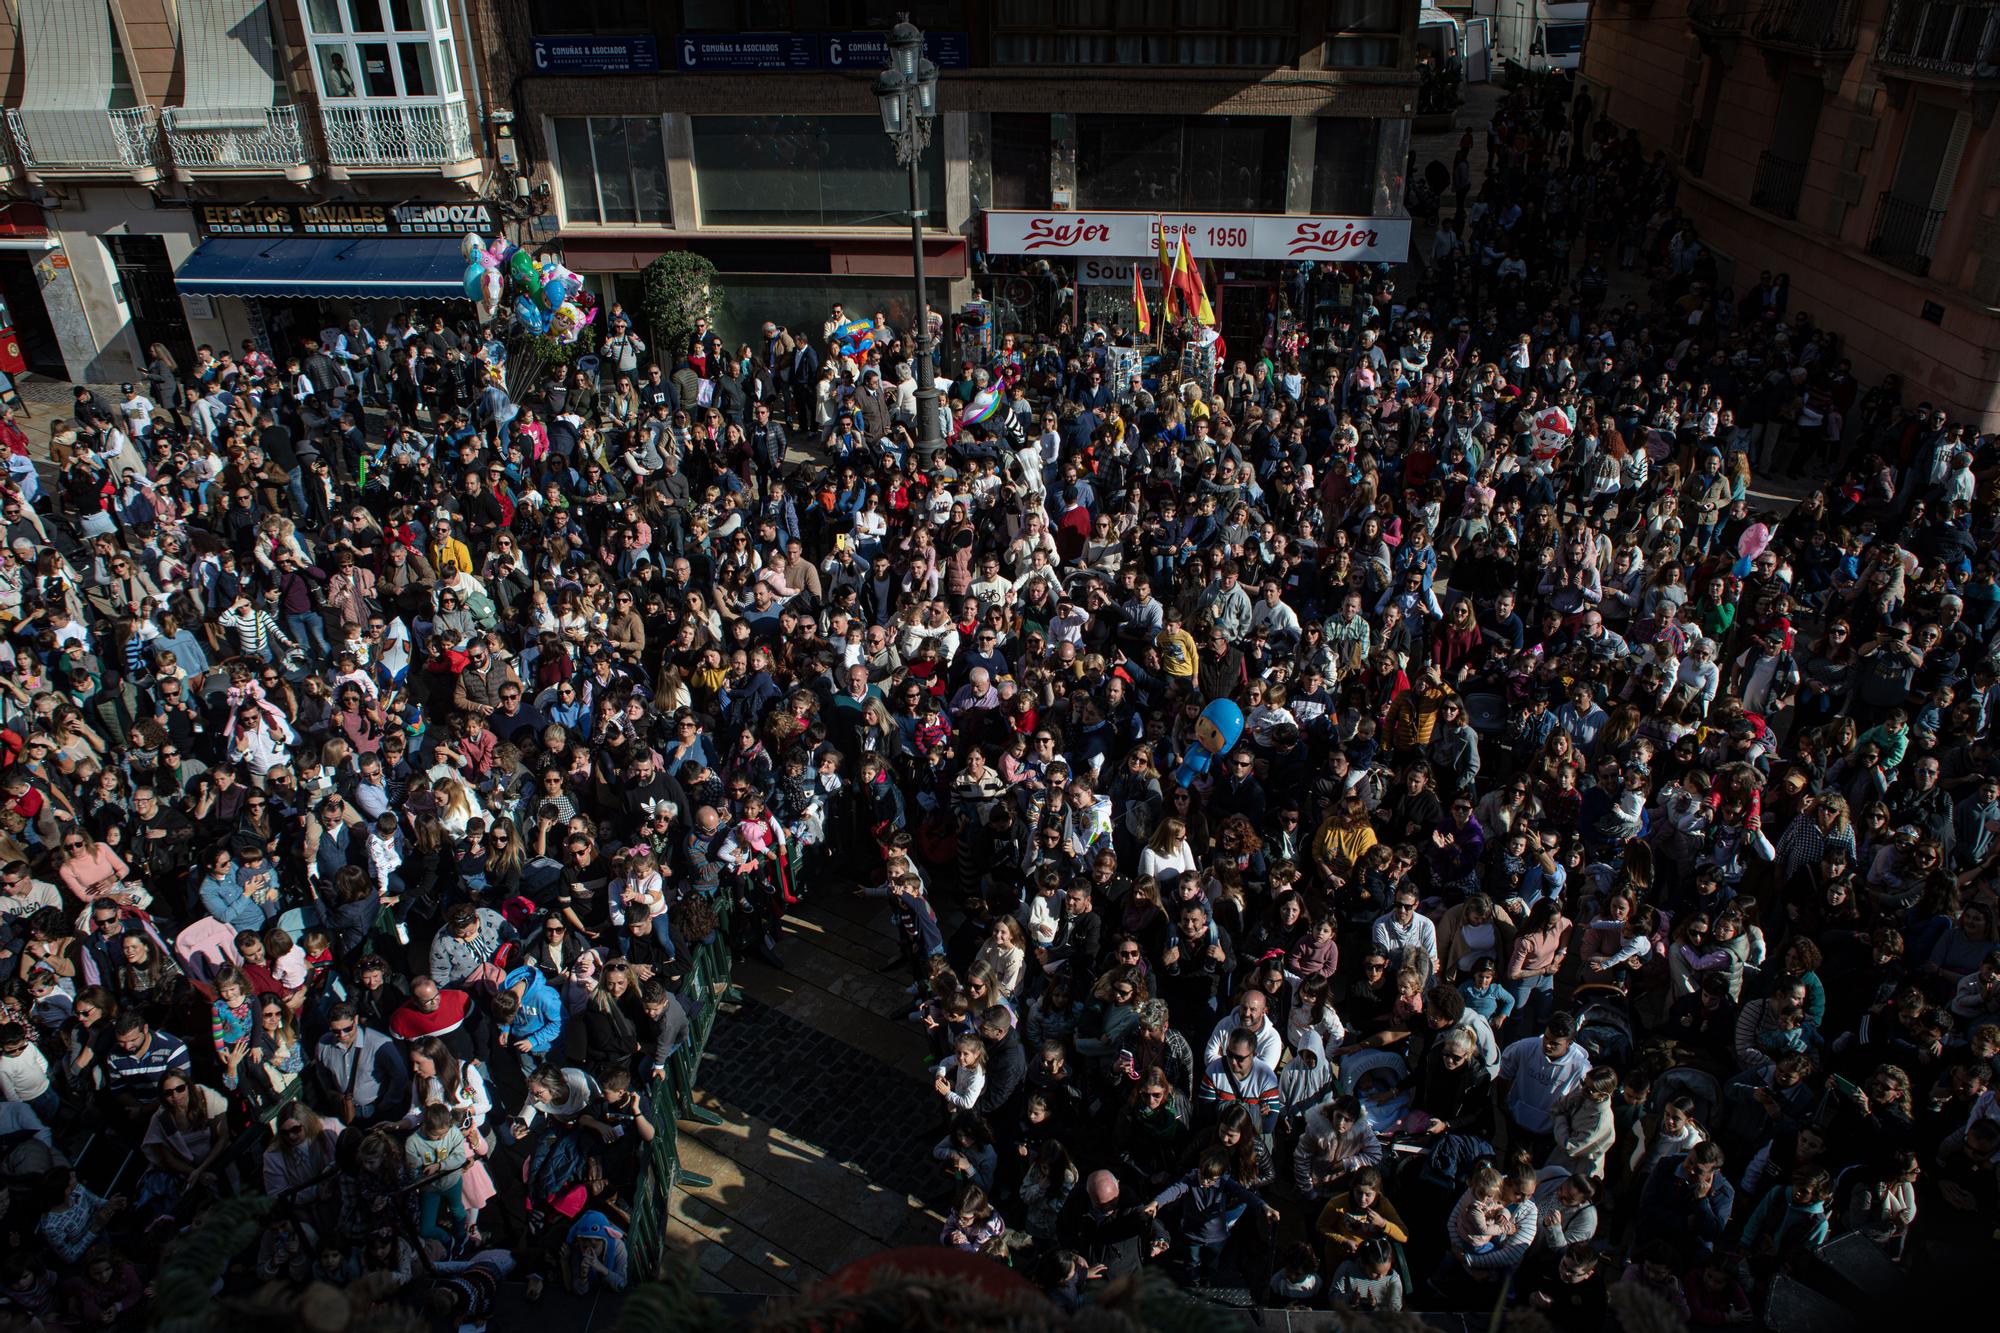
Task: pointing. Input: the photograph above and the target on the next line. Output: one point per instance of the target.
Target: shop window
(608, 17)
(1364, 34)
(1020, 149)
(123, 94)
(806, 171)
(1145, 32)
(1344, 166)
(613, 169)
(1235, 164)
(381, 50)
(818, 15)
(1224, 164)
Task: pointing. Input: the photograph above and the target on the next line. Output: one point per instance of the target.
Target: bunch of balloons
(548, 298)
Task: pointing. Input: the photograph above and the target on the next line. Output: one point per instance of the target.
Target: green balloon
(528, 279)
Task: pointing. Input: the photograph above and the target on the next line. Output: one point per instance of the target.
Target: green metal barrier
(703, 990)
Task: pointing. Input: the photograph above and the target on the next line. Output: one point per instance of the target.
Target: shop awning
(23, 227)
(360, 266)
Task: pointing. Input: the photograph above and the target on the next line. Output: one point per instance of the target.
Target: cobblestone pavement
(818, 1088)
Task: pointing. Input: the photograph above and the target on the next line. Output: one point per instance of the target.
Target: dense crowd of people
(1601, 890)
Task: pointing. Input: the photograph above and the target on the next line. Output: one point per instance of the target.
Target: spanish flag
(1142, 316)
(1194, 296)
(1166, 274)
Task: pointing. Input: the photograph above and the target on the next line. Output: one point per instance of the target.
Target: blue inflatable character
(1215, 734)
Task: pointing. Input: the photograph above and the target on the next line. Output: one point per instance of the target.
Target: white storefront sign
(1094, 272)
(1209, 235)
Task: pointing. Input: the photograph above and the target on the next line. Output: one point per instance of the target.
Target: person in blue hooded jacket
(530, 1015)
(595, 1249)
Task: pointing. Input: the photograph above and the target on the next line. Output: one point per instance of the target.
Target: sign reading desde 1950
(1209, 235)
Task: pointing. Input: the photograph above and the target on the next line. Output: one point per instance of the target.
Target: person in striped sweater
(1238, 1077)
(256, 630)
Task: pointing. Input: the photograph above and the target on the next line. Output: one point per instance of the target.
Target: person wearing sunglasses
(1405, 935)
(367, 1073)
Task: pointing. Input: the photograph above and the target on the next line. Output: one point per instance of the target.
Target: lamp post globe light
(906, 91)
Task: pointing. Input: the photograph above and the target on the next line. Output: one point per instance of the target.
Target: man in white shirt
(1252, 1014)
(1538, 1072)
(21, 896)
(1406, 935)
(138, 410)
(1271, 614)
(263, 739)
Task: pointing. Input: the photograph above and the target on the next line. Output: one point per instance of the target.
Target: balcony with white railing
(1949, 43)
(10, 166)
(125, 140)
(277, 145)
(414, 132)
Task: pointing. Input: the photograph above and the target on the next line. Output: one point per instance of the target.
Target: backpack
(555, 1174)
(1451, 1158)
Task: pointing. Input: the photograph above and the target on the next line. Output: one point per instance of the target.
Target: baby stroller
(1697, 1084)
(1604, 1024)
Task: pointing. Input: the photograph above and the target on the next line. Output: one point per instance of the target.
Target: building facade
(1847, 143)
(1105, 115)
(210, 171)
(205, 171)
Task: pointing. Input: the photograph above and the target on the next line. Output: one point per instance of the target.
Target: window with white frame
(381, 50)
(613, 169)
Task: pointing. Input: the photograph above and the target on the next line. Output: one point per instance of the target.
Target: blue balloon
(475, 281)
(1216, 732)
(531, 316)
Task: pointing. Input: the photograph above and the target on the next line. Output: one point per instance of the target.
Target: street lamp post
(907, 94)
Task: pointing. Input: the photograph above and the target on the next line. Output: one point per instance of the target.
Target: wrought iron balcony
(1949, 42)
(412, 132)
(125, 140)
(1815, 27)
(278, 144)
(1779, 183)
(1905, 234)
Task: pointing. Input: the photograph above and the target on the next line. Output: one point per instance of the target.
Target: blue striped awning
(315, 266)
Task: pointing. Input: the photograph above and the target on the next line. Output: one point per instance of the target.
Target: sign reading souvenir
(1211, 235)
(412, 219)
(595, 55)
(1093, 272)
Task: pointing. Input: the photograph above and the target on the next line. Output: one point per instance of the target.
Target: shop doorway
(148, 281)
(1241, 315)
(21, 292)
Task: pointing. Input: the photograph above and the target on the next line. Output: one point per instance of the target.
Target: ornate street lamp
(907, 94)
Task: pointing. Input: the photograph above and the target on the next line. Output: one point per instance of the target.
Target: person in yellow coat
(448, 555)
(1179, 657)
(1356, 1215)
